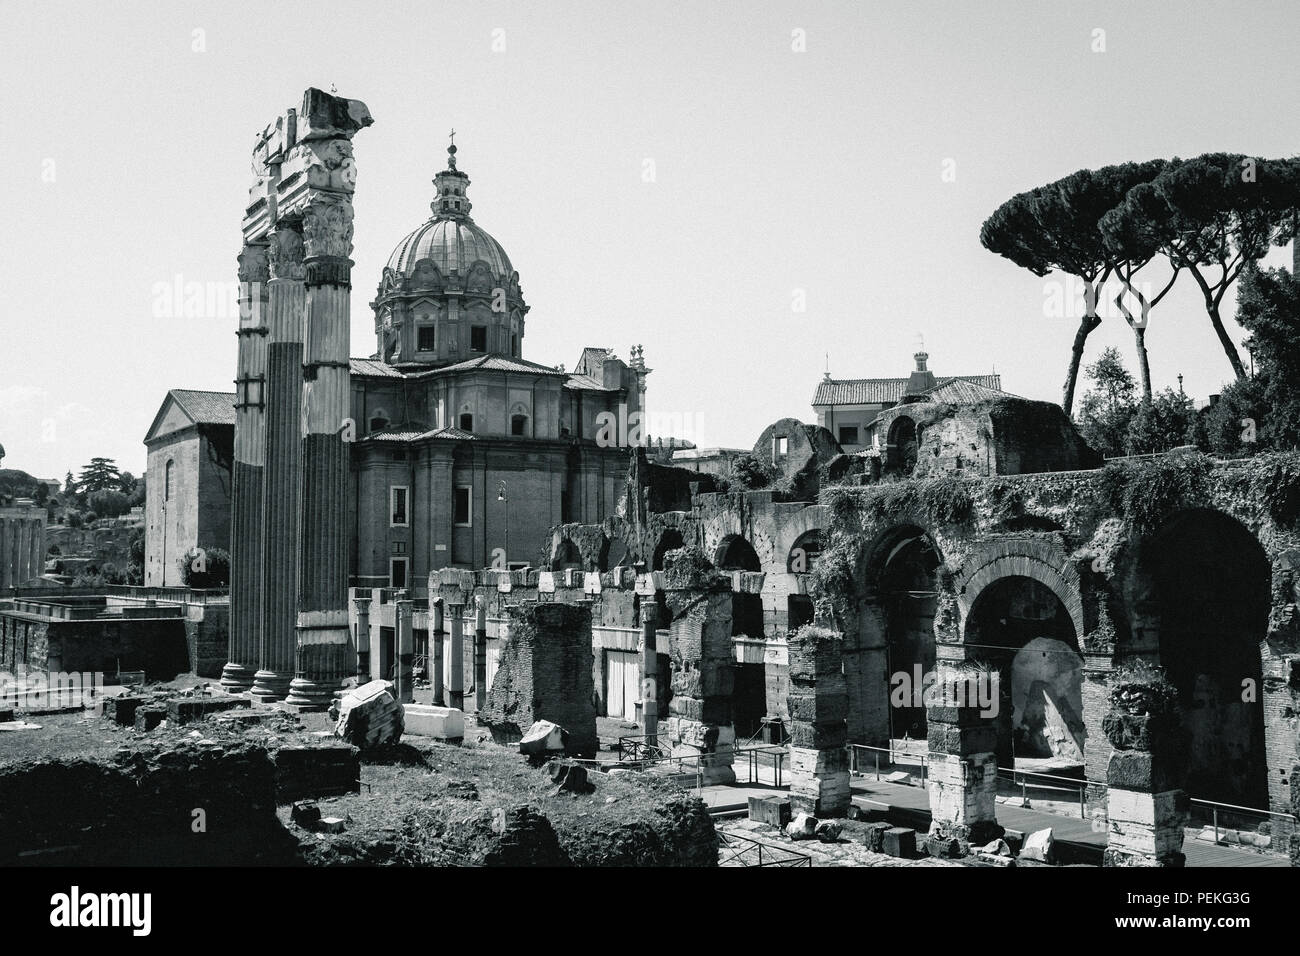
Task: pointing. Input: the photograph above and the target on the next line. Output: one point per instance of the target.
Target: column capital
(286, 254)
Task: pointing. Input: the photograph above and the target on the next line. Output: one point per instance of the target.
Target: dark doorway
(1212, 583)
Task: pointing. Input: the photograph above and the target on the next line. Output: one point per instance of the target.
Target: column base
(307, 695)
(269, 687)
(236, 678)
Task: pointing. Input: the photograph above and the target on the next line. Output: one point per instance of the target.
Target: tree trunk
(1229, 349)
(1086, 325)
(1144, 367)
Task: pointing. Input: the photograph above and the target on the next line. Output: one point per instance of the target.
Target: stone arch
(566, 555)
(813, 518)
(1204, 584)
(1019, 628)
(901, 445)
(734, 552)
(805, 551)
(897, 575)
(1036, 559)
(669, 540)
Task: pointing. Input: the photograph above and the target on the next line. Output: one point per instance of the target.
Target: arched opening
(670, 540)
(1023, 631)
(805, 552)
(902, 446)
(1212, 581)
(907, 592)
(734, 553)
(749, 693)
(566, 556)
(518, 425)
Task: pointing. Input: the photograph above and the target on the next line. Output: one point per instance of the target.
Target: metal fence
(636, 753)
(736, 850)
(1230, 824)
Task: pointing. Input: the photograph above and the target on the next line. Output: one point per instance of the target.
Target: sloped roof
(409, 433)
(880, 391)
(586, 383)
(206, 408)
(591, 360)
(374, 368)
(502, 363)
(961, 391)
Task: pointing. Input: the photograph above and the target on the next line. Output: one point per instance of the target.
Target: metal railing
(894, 757)
(1241, 826)
(750, 757)
(748, 852)
(1227, 820)
(638, 747)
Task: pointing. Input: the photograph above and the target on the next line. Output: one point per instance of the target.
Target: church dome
(453, 245)
(451, 240)
(448, 291)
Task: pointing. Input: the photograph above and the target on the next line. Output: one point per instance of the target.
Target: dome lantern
(450, 201)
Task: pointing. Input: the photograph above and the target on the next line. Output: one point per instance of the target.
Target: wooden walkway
(910, 806)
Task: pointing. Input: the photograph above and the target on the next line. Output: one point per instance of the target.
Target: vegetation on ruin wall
(1263, 492)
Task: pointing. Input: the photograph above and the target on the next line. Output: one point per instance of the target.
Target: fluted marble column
(322, 584)
(281, 500)
(247, 480)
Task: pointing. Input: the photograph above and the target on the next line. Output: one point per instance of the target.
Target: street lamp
(501, 496)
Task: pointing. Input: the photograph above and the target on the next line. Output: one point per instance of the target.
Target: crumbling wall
(176, 804)
(544, 672)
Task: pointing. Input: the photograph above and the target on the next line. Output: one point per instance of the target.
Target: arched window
(466, 422)
(167, 480)
(518, 424)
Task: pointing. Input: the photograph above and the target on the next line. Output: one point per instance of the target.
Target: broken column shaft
(404, 613)
(436, 637)
(649, 672)
(480, 654)
(363, 638)
(456, 690)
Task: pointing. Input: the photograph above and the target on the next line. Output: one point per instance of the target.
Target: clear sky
(777, 174)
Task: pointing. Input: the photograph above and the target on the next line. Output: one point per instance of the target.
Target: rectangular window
(779, 447)
(425, 338)
(478, 338)
(397, 501)
(399, 547)
(397, 572)
(848, 434)
(462, 507)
